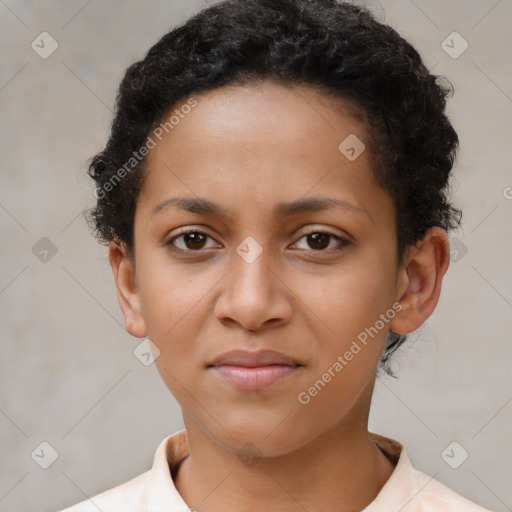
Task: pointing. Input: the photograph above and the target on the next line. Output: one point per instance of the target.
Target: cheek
(346, 301)
(344, 313)
(174, 300)
(171, 295)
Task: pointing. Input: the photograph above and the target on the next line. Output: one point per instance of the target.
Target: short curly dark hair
(336, 47)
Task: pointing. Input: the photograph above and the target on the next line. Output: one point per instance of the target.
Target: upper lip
(253, 359)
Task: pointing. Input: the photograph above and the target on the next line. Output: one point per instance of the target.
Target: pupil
(318, 236)
(193, 238)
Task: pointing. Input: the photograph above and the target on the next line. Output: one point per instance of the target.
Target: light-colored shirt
(407, 489)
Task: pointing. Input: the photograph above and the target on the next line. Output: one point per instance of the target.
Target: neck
(342, 469)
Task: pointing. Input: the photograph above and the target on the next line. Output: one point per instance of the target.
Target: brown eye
(322, 241)
(189, 241)
(194, 240)
(318, 241)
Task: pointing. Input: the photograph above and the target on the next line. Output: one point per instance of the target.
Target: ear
(424, 267)
(127, 289)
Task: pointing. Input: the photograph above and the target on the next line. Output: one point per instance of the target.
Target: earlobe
(423, 272)
(128, 294)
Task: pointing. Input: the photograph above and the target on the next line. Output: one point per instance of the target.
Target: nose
(254, 295)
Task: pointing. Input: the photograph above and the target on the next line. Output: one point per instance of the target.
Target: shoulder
(123, 497)
(435, 496)
(410, 490)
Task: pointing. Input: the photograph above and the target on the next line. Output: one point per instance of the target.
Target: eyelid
(314, 228)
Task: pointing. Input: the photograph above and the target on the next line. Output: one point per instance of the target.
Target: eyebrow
(205, 207)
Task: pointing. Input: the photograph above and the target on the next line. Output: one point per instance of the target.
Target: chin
(261, 437)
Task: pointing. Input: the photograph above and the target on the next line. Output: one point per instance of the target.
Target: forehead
(260, 142)
(261, 105)
(257, 118)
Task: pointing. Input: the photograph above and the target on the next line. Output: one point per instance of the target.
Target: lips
(253, 371)
(254, 359)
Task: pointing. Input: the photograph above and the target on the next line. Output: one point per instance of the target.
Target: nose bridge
(252, 265)
(252, 294)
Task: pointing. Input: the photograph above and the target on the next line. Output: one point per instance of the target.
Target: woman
(273, 197)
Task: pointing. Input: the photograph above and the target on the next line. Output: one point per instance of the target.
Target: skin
(248, 149)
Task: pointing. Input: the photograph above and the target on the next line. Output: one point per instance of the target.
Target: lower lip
(253, 379)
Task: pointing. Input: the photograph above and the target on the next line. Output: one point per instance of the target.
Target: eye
(321, 241)
(191, 240)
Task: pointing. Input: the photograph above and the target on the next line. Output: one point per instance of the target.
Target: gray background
(68, 375)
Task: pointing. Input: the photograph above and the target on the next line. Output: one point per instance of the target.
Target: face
(291, 247)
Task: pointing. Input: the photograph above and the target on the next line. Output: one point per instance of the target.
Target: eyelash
(344, 242)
